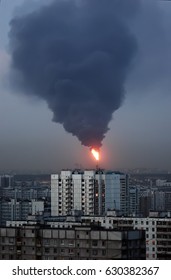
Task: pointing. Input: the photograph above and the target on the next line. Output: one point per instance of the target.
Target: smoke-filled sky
(74, 74)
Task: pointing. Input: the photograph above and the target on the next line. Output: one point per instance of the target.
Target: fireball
(96, 154)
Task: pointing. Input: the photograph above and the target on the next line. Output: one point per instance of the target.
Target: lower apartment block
(31, 242)
(157, 232)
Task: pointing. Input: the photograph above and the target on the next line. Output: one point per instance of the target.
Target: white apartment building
(157, 232)
(162, 183)
(92, 192)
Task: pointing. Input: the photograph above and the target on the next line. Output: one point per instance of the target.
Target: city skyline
(139, 133)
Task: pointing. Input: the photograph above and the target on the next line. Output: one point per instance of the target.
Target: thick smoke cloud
(76, 56)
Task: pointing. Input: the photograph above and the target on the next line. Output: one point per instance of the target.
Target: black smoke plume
(76, 55)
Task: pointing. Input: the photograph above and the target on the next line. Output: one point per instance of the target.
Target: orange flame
(95, 154)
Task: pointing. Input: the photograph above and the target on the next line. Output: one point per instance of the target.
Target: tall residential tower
(91, 192)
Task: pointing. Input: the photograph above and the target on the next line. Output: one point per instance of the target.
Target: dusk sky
(139, 134)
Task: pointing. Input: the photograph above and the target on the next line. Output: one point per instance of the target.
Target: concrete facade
(157, 231)
(30, 242)
(92, 192)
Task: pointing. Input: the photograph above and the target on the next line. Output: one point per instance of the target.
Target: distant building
(6, 181)
(145, 203)
(13, 209)
(134, 201)
(159, 199)
(168, 201)
(162, 183)
(92, 192)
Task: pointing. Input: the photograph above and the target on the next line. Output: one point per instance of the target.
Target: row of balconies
(163, 237)
(164, 251)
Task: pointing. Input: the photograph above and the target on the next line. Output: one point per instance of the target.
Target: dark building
(6, 181)
(42, 242)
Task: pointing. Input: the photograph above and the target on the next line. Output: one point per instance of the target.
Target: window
(71, 243)
(103, 252)
(46, 241)
(94, 243)
(94, 252)
(71, 251)
(46, 250)
(55, 250)
(55, 241)
(103, 243)
(62, 242)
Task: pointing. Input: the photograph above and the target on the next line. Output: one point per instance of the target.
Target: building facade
(13, 209)
(91, 192)
(31, 242)
(6, 181)
(157, 231)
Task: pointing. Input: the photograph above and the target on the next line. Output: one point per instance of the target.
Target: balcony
(163, 252)
(39, 253)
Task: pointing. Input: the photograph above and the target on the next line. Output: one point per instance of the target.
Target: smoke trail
(76, 56)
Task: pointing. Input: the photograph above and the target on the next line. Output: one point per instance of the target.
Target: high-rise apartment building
(6, 181)
(13, 209)
(92, 192)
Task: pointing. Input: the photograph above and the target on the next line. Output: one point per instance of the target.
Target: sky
(139, 134)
